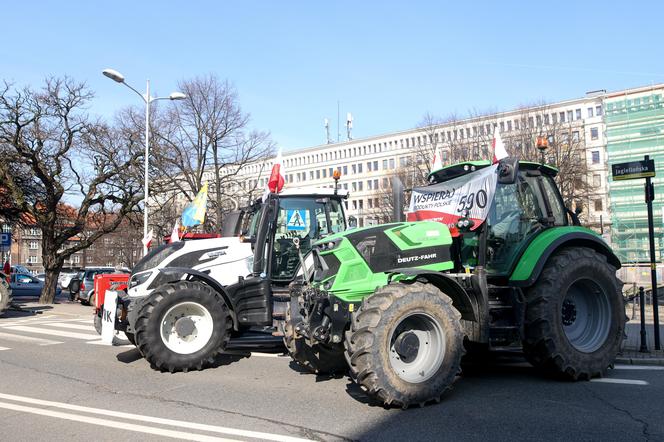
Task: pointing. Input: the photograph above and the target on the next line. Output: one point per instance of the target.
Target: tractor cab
(526, 201)
(292, 214)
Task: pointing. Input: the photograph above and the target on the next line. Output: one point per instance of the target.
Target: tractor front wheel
(182, 326)
(575, 315)
(405, 344)
(316, 358)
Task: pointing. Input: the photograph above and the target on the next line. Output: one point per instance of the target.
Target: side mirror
(508, 169)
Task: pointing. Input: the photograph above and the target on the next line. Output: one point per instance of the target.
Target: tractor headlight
(329, 245)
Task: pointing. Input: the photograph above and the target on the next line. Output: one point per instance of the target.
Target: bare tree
(64, 155)
(206, 137)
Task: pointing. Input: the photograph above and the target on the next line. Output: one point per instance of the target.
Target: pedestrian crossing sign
(296, 219)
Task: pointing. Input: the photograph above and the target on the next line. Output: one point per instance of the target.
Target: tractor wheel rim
(422, 358)
(586, 315)
(199, 327)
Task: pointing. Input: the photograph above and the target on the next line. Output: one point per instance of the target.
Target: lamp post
(119, 78)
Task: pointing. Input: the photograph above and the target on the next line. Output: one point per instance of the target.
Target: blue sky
(386, 62)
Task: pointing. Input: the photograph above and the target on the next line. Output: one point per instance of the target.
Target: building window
(578, 114)
(385, 186)
(575, 135)
(368, 166)
(392, 165)
(562, 117)
(570, 116)
(359, 168)
(360, 185)
(590, 112)
(509, 125)
(32, 260)
(595, 156)
(353, 169)
(598, 110)
(598, 205)
(77, 259)
(34, 245)
(384, 164)
(345, 170)
(597, 180)
(318, 174)
(546, 119)
(594, 133)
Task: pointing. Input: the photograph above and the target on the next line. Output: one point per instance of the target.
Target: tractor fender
(461, 300)
(538, 252)
(195, 275)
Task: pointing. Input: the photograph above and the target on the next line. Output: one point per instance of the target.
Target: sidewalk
(630, 353)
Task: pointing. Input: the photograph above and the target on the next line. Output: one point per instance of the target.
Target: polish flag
(148, 239)
(437, 161)
(175, 234)
(277, 178)
(499, 151)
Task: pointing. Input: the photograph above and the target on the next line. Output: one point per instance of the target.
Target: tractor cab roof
(456, 170)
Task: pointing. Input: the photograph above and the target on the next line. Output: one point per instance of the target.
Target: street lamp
(119, 78)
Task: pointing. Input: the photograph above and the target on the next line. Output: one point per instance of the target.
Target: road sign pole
(650, 196)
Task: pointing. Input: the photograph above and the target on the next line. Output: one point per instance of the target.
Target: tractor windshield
(519, 212)
(308, 219)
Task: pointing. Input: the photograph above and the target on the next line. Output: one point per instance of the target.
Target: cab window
(307, 220)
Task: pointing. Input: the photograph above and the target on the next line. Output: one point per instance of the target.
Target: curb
(639, 361)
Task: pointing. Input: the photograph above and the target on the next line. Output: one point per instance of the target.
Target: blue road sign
(5, 239)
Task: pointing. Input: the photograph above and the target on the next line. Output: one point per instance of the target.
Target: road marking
(638, 367)
(4, 348)
(21, 338)
(150, 419)
(100, 342)
(70, 326)
(50, 332)
(113, 424)
(619, 381)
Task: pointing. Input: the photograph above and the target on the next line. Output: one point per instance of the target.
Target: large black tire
(154, 312)
(390, 314)
(5, 295)
(575, 315)
(316, 358)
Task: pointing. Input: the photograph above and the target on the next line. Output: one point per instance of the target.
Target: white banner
(468, 196)
(108, 317)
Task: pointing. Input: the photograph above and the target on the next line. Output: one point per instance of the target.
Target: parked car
(24, 285)
(64, 279)
(20, 269)
(82, 285)
(41, 276)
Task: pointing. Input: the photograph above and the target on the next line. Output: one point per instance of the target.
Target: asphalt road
(58, 384)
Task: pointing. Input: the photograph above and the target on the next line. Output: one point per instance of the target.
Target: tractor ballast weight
(402, 302)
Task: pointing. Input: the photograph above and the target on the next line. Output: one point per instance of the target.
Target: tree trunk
(52, 266)
(50, 285)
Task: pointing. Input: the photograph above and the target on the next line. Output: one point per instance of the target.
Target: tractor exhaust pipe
(397, 200)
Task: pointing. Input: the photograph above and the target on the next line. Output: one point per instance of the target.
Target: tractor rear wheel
(182, 326)
(316, 358)
(5, 296)
(405, 344)
(575, 315)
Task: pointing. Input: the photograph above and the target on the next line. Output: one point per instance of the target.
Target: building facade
(634, 128)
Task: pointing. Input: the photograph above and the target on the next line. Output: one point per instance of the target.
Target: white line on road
(154, 420)
(21, 338)
(638, 367)
(113, 424)
(619, 381)
(4, 348)
(100, 342)
(50, 332)
(70, 326)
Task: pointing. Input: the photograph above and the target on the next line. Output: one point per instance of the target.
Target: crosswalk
(46, 330)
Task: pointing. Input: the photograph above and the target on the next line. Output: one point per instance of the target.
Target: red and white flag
(277, 177)
(499, 151)
(148, 239)
(467, 196)
(175, 234)
(437, 163)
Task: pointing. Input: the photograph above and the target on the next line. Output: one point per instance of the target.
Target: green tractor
(400, 304)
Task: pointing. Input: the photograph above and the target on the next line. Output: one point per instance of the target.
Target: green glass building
(635, 127)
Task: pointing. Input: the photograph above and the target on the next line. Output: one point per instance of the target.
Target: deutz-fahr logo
(401, 260)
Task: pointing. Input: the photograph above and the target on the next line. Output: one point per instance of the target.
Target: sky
(294, 63)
